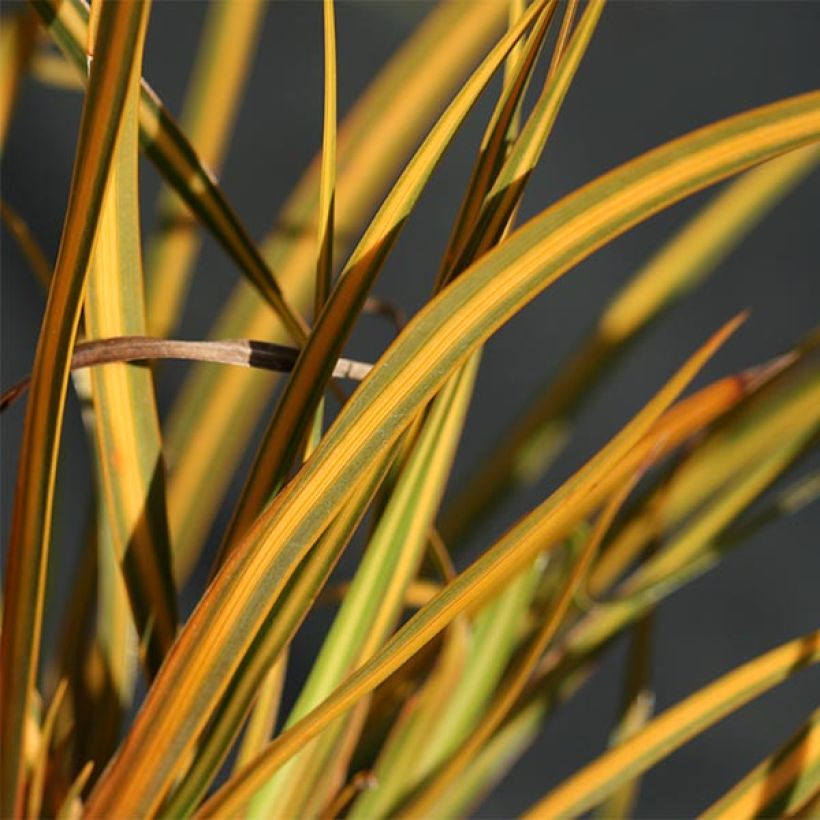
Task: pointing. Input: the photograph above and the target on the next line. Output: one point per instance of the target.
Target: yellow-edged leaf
(781, 783)
(676, 726)
(543, 527)
(306, 385)
(374, 602)
(177, 161)
(283, 623)
(424, 801)
(526, 450)
(415, 366)
(216, 412)
(31, 522)
(227, 46)
(126, 424)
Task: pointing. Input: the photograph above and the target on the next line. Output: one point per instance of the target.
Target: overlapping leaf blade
(463, 315)
(31, 525)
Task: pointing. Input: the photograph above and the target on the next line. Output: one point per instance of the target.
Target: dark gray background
(654, 71)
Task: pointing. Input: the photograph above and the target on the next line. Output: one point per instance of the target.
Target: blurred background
(654, 70)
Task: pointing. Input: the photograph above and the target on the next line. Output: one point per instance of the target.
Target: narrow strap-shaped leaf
(72, 804)
(543, 527)
(262, 722)
(507, 187)
(283, 623)
(374, 601)
(437, 340)
(715, 538)
(676, 726)
(227, 47)
(490, 765)
(177, 161)
(128, 441)
(500, 130)
(31, 521)
(779, 784)
(327, 178)
(773, 419)
(525, 451)
(423, 802)
(307, 384)
(216, 413)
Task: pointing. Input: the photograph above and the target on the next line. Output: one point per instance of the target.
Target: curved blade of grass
(283, 623)
(17, 36)
(780, 783)
(215, 414)
(501, 130)
(327, 193)
(375, 599)
(327, 176)
(563, 669)
(686, 548)
(774, 417)
(31, 522)
(128, 441)
(227, 46)
(507, 187)
(549, 522)
(676, 726)
(401, 749)
(307, 384)
(424, 800)
(443, 723)
(177, 161)
(606, 620)
(491, 763)
(415, 366)
(527, 449)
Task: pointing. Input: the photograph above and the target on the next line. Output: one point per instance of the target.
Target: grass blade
(636, 710)
(31, 522)
(781, 783)
(205, 446)
(127, 435)
(307, 384)
(676, 726)
(375, 600)
(284, 621)
(228, 44)
(527, 449)
(438, 339)
(548, 523)
(176, 160)
(425, 799)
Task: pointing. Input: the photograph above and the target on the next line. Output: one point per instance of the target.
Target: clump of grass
(436, 673)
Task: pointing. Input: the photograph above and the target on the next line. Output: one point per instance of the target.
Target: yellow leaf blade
(438, 340)
(31, 522)
(676, 726)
